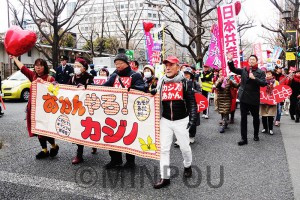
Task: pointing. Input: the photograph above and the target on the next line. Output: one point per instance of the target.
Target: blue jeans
(278, 115)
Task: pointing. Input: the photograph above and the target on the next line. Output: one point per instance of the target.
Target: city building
(109, 15)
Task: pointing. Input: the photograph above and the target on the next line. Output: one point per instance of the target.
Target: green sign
(130, 54)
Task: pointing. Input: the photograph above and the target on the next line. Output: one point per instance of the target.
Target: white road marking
(53, 184)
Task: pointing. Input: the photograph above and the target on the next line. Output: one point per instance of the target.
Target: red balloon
(148, 26)
(238, 7)
(18, 41)
(280, 93)
(202, 102)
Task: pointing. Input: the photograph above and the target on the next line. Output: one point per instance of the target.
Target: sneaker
(231, 121)
(176, 145)
(271, 132)
(221, 122)
(203, 116)
(1, 113)
(192, 140)
(188, 172)
(42, 155)
(277, 123)
(263, 131)
(206, 117)
(297, 120)
(222, 129)
(113, 165)
(54, 151)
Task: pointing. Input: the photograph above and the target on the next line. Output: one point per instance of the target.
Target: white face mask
(147, 74)
(77, 71)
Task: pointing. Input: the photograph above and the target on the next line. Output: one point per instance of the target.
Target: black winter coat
(85, 79)
(180, 109)
(249, 90)
(136, 81)
(63, 77)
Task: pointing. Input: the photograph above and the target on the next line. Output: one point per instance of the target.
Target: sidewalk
(291, 137)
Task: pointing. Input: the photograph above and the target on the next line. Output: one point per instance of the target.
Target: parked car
(17, 86)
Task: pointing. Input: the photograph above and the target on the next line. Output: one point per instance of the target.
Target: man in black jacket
(178, 114)
(252, 78)
(64, 71)
(123, 77)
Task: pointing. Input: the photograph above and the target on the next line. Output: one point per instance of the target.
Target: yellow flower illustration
(53, 90)
(147, 147)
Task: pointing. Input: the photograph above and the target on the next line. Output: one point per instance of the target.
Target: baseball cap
(171, 59)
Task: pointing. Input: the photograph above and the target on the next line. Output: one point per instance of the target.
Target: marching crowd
(179, 117)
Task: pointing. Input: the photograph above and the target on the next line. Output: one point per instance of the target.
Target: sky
(260, 10)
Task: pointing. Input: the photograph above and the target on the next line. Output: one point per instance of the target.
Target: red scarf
(297, 78)
(255, 67)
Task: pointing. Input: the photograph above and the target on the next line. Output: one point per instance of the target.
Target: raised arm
(16, 60)
(231, 65)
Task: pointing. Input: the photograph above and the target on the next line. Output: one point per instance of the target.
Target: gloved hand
(189, 125)
(153, 91)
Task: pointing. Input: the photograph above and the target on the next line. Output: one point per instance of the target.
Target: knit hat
(121, 56)
(188, 70)
(82, 62)
(149, 67)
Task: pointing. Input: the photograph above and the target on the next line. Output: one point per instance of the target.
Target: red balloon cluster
(18, 41)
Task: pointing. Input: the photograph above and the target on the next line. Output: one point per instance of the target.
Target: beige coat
(268, 110)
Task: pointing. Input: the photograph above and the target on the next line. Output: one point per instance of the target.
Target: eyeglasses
(119, 63)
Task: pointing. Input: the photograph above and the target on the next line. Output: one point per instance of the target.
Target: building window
(122, 6)
(149, 15)
(141, 4)
(154, 15)
(29, 53)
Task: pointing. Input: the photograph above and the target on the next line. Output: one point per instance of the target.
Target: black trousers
(205, 93)
(254, 110)
(116, 157)
(43, 141)
(80, 150)
(267, 122)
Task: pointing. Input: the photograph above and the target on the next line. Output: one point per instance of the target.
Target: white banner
(101, 117)
(227, 22)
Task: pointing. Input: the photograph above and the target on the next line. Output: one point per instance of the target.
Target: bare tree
(201, 16)
(127, 25)
(197, 28)
(47, 17)
(290, 23)
(280, 37)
